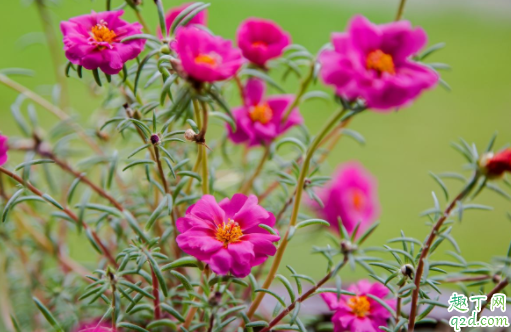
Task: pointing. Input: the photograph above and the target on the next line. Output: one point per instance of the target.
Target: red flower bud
(496, 165)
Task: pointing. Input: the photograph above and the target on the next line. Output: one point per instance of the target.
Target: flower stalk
(304, 84)
(429, 241)
(59, 113)
(247, 185)
(499, 287)
(400, 10)
(55, 53)
(74, 217)
(305, 296)
(337, 116)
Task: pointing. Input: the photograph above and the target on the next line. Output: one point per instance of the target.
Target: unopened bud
(165, 49)
(155, 139)
(190, 135)
(347, 247)
(495, 165)
(408, 271)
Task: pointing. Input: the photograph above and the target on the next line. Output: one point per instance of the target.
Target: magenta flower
(261, 40)
(94, 326)
(227, 235)
(199, 19)
(260, 120)
(351, 196)
(373, 62)
(94, 41)
(207, 58)
(359, 313)
(3, 149)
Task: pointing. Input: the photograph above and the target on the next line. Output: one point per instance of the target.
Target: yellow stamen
(101, 33)
(260, 44)
(229, 232)
(261, 113)
(357, 198)
(359, 305)
(381, 62)
(206, 59)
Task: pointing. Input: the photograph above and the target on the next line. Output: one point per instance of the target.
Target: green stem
(140, 18)
(55, 53)
(303, 87)
(296, 207)
(50, 107)
(245, 188)
(205, 175)
(400, 10)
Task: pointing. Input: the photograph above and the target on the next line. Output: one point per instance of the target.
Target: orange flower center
(381, 62)
(359, 305)
(261, 113)
(229, 232)
(260, 44)
(102, 34)
(206, 59)
(357, 199)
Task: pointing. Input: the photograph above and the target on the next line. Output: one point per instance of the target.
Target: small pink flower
(207, 58)
(373, 62)
(260, 121)
(351, 197)
(359, 313)
(94, 41)
(227, 235)
(3, 149)
(261, 40)
(94, 326)
(199, 19)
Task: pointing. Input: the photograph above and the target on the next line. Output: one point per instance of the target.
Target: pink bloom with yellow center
(227, 235)
(199, 19)
(350, 196)
(207, 58)
(3, 149)
(260, 120)
(373, 62)
(261, 40)
(360, 313)
(94, 41)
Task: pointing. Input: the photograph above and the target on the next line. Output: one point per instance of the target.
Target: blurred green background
(401, 147)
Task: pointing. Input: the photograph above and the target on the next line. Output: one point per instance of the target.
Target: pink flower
(94, 41)
(3, 149)
(351, 196)
(260, 121)
(199, 19)
(94, 326)
(261, 40)
(373, 62)
(227, 235)
(359, 313)
(207, 58)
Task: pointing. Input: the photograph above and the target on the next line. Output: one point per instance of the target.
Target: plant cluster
(189, 228)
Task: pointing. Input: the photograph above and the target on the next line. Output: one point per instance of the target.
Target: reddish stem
(427, 246)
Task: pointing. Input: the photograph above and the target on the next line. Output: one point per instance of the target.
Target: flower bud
(496, 165)
(155, 139)
(347, 247)
(165, 49)
(190, 135)
(408, 271)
